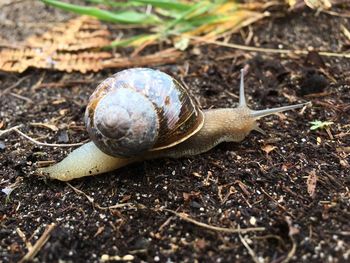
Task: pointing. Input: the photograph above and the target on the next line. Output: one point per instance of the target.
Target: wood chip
(311, 183)
(268, 148)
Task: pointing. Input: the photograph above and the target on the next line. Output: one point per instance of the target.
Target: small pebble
(252, 221)
(63, 136)
(2, 146)
(195, 204)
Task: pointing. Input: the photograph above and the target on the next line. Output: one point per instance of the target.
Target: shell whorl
(140, 109)
(127, 122)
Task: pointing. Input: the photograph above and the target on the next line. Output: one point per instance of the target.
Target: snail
(141, 113)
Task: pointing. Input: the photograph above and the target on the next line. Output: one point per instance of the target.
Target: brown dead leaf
(286, 166)
(125, 198)
(325, 211)
(243, 187)
(311, 183)
(75, 46)
(71, 46)
(99, 231)
(318, 4)
(189, 196)
(268, 148)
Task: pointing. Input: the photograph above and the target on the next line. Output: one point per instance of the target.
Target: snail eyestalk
(262, 113)
(242, 100)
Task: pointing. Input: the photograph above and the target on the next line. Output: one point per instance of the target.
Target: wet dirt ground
(260, 182)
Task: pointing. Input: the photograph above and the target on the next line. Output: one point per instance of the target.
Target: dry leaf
(311, 183)
(268, 148)
(318, 4)
(99, 231)
(72, 46)
(75, 46)
(189, 196)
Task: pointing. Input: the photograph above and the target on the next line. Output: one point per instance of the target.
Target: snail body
(178, 126)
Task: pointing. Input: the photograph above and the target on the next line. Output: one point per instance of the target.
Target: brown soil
(234, 185)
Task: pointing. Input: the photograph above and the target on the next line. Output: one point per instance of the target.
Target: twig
(278, 204)
(7, 90)
(21, 97)
(292, 231)
(39, 243)
(91, 200)
(333, 13)
(269, 50)
(47, 144)
(215, 228)
(278, 238)
(165, 223)
(24, 238)
(292, 250)
(10, 129)
(250, 250)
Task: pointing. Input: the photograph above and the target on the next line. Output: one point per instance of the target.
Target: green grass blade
(132, 40)
(181, 18)
(112, 3)
(210, 19)
(165, 4)
(126, 17)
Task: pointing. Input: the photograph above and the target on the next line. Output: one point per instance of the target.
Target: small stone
(63, 136)
(128, 257)
(195, 204)
(2, 146)
(104, 258)
(252, 221)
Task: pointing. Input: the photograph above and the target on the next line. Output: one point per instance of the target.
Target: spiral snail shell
(140, 114)
(141, 109)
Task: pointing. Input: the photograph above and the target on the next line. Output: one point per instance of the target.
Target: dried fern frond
(71, 46)
(74, 46)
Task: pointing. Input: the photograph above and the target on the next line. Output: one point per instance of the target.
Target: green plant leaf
(125, 17)
(114, 3)
(320, 124)
(165, 4)
(181, 18)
